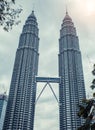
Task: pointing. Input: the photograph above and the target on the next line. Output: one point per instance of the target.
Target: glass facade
(71, 87)
(21, 103)
(3, 104)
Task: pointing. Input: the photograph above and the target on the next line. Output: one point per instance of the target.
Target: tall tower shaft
(21, 102)
(22, 96)
(3, 103)
(71, 88)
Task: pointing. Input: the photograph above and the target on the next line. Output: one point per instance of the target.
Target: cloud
(49, 16)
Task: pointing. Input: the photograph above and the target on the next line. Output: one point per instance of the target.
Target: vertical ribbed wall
(71, 88)
(3, 104)
(21, 102)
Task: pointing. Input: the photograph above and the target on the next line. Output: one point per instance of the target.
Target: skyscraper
(3, 104)
(71, 87)
(21, 103)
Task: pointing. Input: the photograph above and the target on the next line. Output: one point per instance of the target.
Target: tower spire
(66, 10)
(33, 7)
(23, 86)
(72, 82)
(33, 12)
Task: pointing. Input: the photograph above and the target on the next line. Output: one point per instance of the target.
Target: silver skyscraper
(71, 88)
(21, 102)
(3, 104)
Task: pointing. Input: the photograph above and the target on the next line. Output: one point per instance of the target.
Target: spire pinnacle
(33, 6)
(66, 10)
(32, 12)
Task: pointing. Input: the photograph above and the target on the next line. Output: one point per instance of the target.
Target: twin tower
(22, 96)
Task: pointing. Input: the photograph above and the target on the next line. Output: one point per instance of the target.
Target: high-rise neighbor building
(3, 104)
(71, 87)
(21, 102)
(22, 96)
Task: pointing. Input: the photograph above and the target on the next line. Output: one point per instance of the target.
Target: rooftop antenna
(66, 7)
(66, 10)
(33, 6)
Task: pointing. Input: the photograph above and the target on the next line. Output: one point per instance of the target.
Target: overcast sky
(50, 14)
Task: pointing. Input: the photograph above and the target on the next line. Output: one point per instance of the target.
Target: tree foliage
(93, 82)
(9, 14)
(87, 110)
